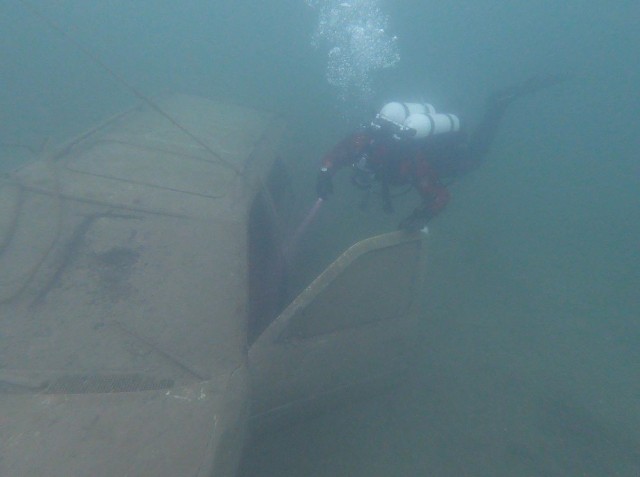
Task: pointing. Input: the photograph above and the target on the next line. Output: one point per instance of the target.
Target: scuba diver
(410, 144)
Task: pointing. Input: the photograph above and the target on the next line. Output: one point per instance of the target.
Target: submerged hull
(131, 276)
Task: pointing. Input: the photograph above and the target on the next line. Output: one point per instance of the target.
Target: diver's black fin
(538, 83)
(527, 87)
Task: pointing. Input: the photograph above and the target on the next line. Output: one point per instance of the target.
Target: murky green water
(530, 360)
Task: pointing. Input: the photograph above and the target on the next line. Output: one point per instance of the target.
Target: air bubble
(356, 38)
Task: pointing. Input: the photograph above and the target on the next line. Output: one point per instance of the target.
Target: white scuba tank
(399, 112)
(430, 124)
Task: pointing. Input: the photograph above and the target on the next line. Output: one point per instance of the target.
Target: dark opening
(267, 267)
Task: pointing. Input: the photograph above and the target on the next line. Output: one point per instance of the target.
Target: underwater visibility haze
(529, 357)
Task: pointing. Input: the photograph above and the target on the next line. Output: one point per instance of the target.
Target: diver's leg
(496, 105)
(482, 138)
(387, 205)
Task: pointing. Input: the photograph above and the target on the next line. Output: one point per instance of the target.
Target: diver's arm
(435, 198)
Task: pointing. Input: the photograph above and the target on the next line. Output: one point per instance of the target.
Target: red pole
(291, 247)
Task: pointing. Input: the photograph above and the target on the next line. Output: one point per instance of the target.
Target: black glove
(416, 221)
(324, 185)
